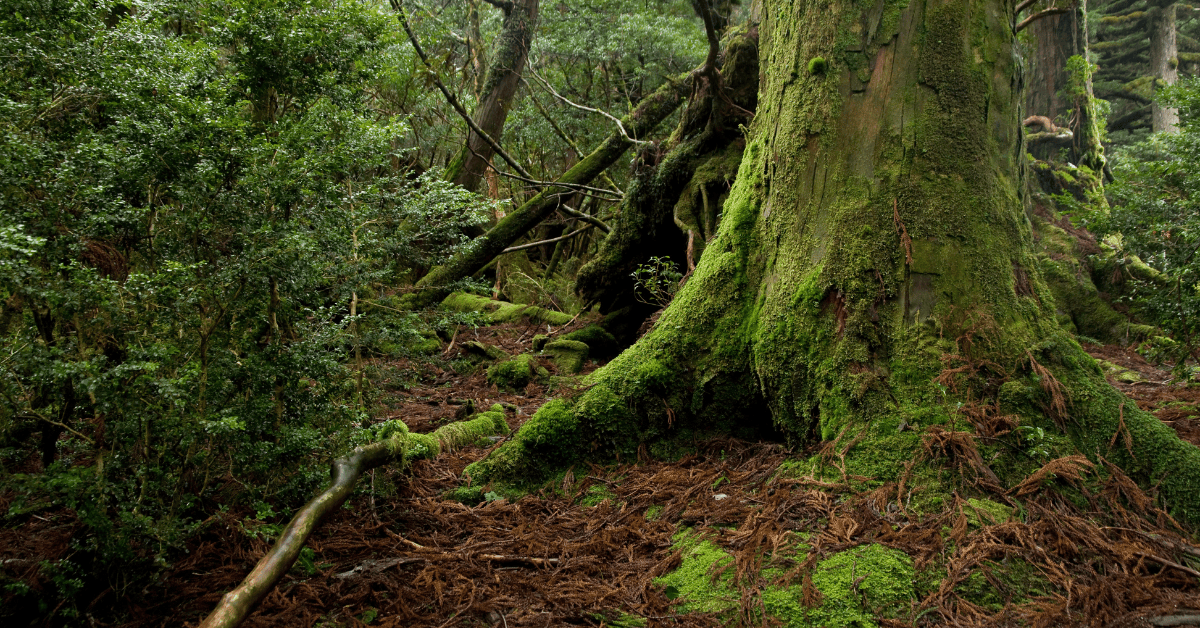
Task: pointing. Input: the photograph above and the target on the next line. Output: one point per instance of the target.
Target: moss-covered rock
(568, 355)
(516, 373)
(501, 311)
(601, 344)
(550, 440)
(539, 342)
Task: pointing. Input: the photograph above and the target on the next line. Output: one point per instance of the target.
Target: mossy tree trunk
(1164, 63)
(874, 236)
(498, 91)
(673, 205)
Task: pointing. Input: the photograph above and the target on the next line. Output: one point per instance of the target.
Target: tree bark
(1061, 92)
(436, 285)
(498, 91)
(1164, 63)
(875, 236)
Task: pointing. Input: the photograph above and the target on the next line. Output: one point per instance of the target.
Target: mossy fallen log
(503, 311)
(396, 445)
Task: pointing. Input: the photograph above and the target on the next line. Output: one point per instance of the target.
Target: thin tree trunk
(1164, 62)
(498, 93)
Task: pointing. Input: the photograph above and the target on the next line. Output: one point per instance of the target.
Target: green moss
(856, 585)
(596, 495)
(861, 584)
(514, 374)
(599, 341)
(539, 341)
(987, 512)
(1012, 581)
(569, 355)
(501, 311)
(693, 581)
(469, 495)
(817, 65)
(550, 440)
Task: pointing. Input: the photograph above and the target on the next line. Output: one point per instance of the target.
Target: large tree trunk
(874, 240)
(1164, 63)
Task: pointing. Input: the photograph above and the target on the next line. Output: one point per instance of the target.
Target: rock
(539, 341)
(600, 343)
(483, 350)
(569, 355)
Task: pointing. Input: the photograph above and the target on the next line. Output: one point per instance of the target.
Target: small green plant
(817, 65)
(656, 281)
(1036, 443)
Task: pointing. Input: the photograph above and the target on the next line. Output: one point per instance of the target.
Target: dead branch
(531, 245)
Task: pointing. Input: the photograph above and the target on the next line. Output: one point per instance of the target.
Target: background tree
(1140, 45)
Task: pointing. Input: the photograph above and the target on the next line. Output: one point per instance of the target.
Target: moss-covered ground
(897, 530)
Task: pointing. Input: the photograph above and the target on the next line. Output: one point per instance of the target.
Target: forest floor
(587, 552)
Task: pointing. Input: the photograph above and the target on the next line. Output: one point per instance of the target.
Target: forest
(625, 313)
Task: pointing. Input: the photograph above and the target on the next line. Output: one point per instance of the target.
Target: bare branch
(462, 112)
(531, 245)
(559, 96)
(1037, 16)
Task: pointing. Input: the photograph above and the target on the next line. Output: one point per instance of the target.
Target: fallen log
(399, 446)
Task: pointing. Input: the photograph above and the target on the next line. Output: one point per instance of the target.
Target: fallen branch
(575, 213)
(401, 447)
(1174, 620)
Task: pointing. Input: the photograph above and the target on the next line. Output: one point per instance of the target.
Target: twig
(1173, 620)
(1024, 4)
(549, 184)
(1169, 563)
(574, 213)
(503, 558)
(1037, 16)
(559, 96)
(530, 245)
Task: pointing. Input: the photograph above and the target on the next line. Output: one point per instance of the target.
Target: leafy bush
(191, 197)
(1156, 217)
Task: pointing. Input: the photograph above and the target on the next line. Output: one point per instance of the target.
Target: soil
(586, 551)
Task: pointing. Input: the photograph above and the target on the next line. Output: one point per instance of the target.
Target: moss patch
(516, 373)
(857, 586)
(600, 343)
(569, 355)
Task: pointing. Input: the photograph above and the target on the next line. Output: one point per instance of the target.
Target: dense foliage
(191, 200)
(1155, 216)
